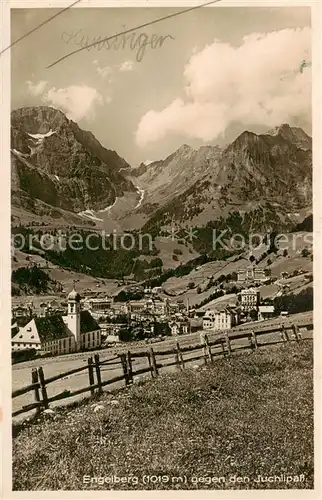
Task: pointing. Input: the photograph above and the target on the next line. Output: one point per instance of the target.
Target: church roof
(52, 328)
(87, 322)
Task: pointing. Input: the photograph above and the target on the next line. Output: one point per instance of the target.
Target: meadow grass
(248, 415)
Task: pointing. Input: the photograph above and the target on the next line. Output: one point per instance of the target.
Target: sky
(199, 78)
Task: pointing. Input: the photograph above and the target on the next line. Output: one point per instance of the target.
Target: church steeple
(73, 316)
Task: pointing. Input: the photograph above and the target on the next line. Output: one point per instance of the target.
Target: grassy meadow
(248, 415)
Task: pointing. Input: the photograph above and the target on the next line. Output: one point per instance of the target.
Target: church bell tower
(73, 315)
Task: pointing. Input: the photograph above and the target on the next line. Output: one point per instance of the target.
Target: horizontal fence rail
(129, 364)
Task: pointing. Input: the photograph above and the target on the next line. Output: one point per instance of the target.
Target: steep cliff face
(270, 166)
(56, 162)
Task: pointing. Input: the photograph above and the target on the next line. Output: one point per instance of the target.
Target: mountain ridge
(255, 169)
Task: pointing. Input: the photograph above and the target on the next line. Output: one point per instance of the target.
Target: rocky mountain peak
(295, 135)
(185, 150)
(61, 165)
(38, 119)
(247, 141)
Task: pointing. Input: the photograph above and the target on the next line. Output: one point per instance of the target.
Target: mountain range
(63, 172)
(266, 170)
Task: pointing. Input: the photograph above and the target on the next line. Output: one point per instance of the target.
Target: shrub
(305, 252)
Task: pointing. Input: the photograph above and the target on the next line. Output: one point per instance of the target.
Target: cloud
(261, 81)
(76, 101)
(127, 66)
(104, 72)
(36, 88)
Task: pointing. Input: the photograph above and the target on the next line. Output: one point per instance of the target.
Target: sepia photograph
(162, 247)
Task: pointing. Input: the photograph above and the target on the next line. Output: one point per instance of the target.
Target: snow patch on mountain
(142, 193)
(42, 136)
(90, 215)
(107, 209)
(19, 153)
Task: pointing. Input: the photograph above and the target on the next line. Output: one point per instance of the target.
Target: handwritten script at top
(135, 41)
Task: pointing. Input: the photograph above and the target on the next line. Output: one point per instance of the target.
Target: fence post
(154, 365)
(222, 341)
(35, 380)
(176, 360)
(43, 387)
(284, 334)
(91, 374)
(203, 345)
(150, 364)
(228, 343)
(125, 369)
(253, 340)
(129, 364)
(98, 373)
(178, 357)
(208, 348)
(297, 333)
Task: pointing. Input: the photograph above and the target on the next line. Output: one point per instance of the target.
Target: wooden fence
(177, 355)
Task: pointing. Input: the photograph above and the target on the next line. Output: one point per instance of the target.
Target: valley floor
(246, 416)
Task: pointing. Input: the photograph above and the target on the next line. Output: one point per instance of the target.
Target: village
(90, 320)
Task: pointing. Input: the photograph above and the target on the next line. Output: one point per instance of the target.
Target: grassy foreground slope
(250, 415)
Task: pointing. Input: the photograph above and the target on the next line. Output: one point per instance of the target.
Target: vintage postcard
(157, 171)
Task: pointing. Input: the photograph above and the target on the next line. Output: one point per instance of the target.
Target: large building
(251, 274)
(77, 331)
(249, 299)
(223, 319)
(154, 307)
(98, 306)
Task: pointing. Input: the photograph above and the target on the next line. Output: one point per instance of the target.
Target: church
(78, 331)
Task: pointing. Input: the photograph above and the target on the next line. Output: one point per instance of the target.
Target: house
(77, 331)
(265, 312)
(160, 307)
(223, 319)
(113, 329)
(112, 339)
(22, 337)
(249, 299)
(21, 312)
(179, 327)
